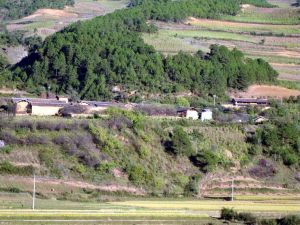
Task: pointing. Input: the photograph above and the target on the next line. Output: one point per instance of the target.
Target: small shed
(206, 114)
(190, 113)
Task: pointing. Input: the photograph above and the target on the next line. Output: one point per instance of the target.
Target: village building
(37, 106)
(206, 114)
(249, 101)
(190, 113)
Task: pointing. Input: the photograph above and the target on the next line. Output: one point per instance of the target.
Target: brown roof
(250, 100)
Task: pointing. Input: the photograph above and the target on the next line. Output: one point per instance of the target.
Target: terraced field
(271, 34)
(277, 15)
(45, 22)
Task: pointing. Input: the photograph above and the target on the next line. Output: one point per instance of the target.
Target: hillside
(259, 32)
(128, 152)
(119, 56)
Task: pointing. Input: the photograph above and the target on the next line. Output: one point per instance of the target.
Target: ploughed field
(272, 34)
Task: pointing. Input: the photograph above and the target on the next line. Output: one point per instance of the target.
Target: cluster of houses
(55, 106)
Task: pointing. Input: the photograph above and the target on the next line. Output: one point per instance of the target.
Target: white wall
(192, 114)
(207, 115)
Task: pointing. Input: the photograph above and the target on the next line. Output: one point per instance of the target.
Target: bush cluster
(280, 140)
(248, 218)
(7, 168)
(264, 169)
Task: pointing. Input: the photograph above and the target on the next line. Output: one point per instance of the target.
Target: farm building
(249, 101)
(37, 106)
(206, 114)
(190, 113)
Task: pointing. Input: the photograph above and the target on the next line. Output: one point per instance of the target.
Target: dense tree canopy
(90, 57)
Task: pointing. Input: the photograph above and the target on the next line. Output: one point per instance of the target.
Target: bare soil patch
(257, 91)
(51, 13)
(47, 185)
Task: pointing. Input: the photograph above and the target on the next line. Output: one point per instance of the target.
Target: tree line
(88, 58)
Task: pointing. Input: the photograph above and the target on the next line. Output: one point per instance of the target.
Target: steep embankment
(133, 154)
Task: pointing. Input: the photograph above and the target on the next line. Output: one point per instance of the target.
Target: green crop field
(208, 34)
(237, 27)
(266, 15)
(151, 210)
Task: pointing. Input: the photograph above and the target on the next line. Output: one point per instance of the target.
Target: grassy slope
(63, 149)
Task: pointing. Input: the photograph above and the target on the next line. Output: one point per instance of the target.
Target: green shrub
(231, 214)
(182, 101)
(6, 149)
(106, 167)
(248, 218)
(14, 190)
(192, 188)
(290, 220)
(181, 143)
(228, 214)
(7, 168)
(206, 160)
(268, 222)
(11, 189)
(137, 175)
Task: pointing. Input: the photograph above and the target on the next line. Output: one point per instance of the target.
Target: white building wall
(192, 114)
(45, 110)
(206, 115)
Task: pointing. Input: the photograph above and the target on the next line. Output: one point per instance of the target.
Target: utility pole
(232, 189)
(33, 193)
(214, 99)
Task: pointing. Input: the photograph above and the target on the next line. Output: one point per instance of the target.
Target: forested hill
(88, 58)
(15, 9)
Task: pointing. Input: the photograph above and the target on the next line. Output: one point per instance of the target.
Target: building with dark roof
(37, 106)
(249, 101)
